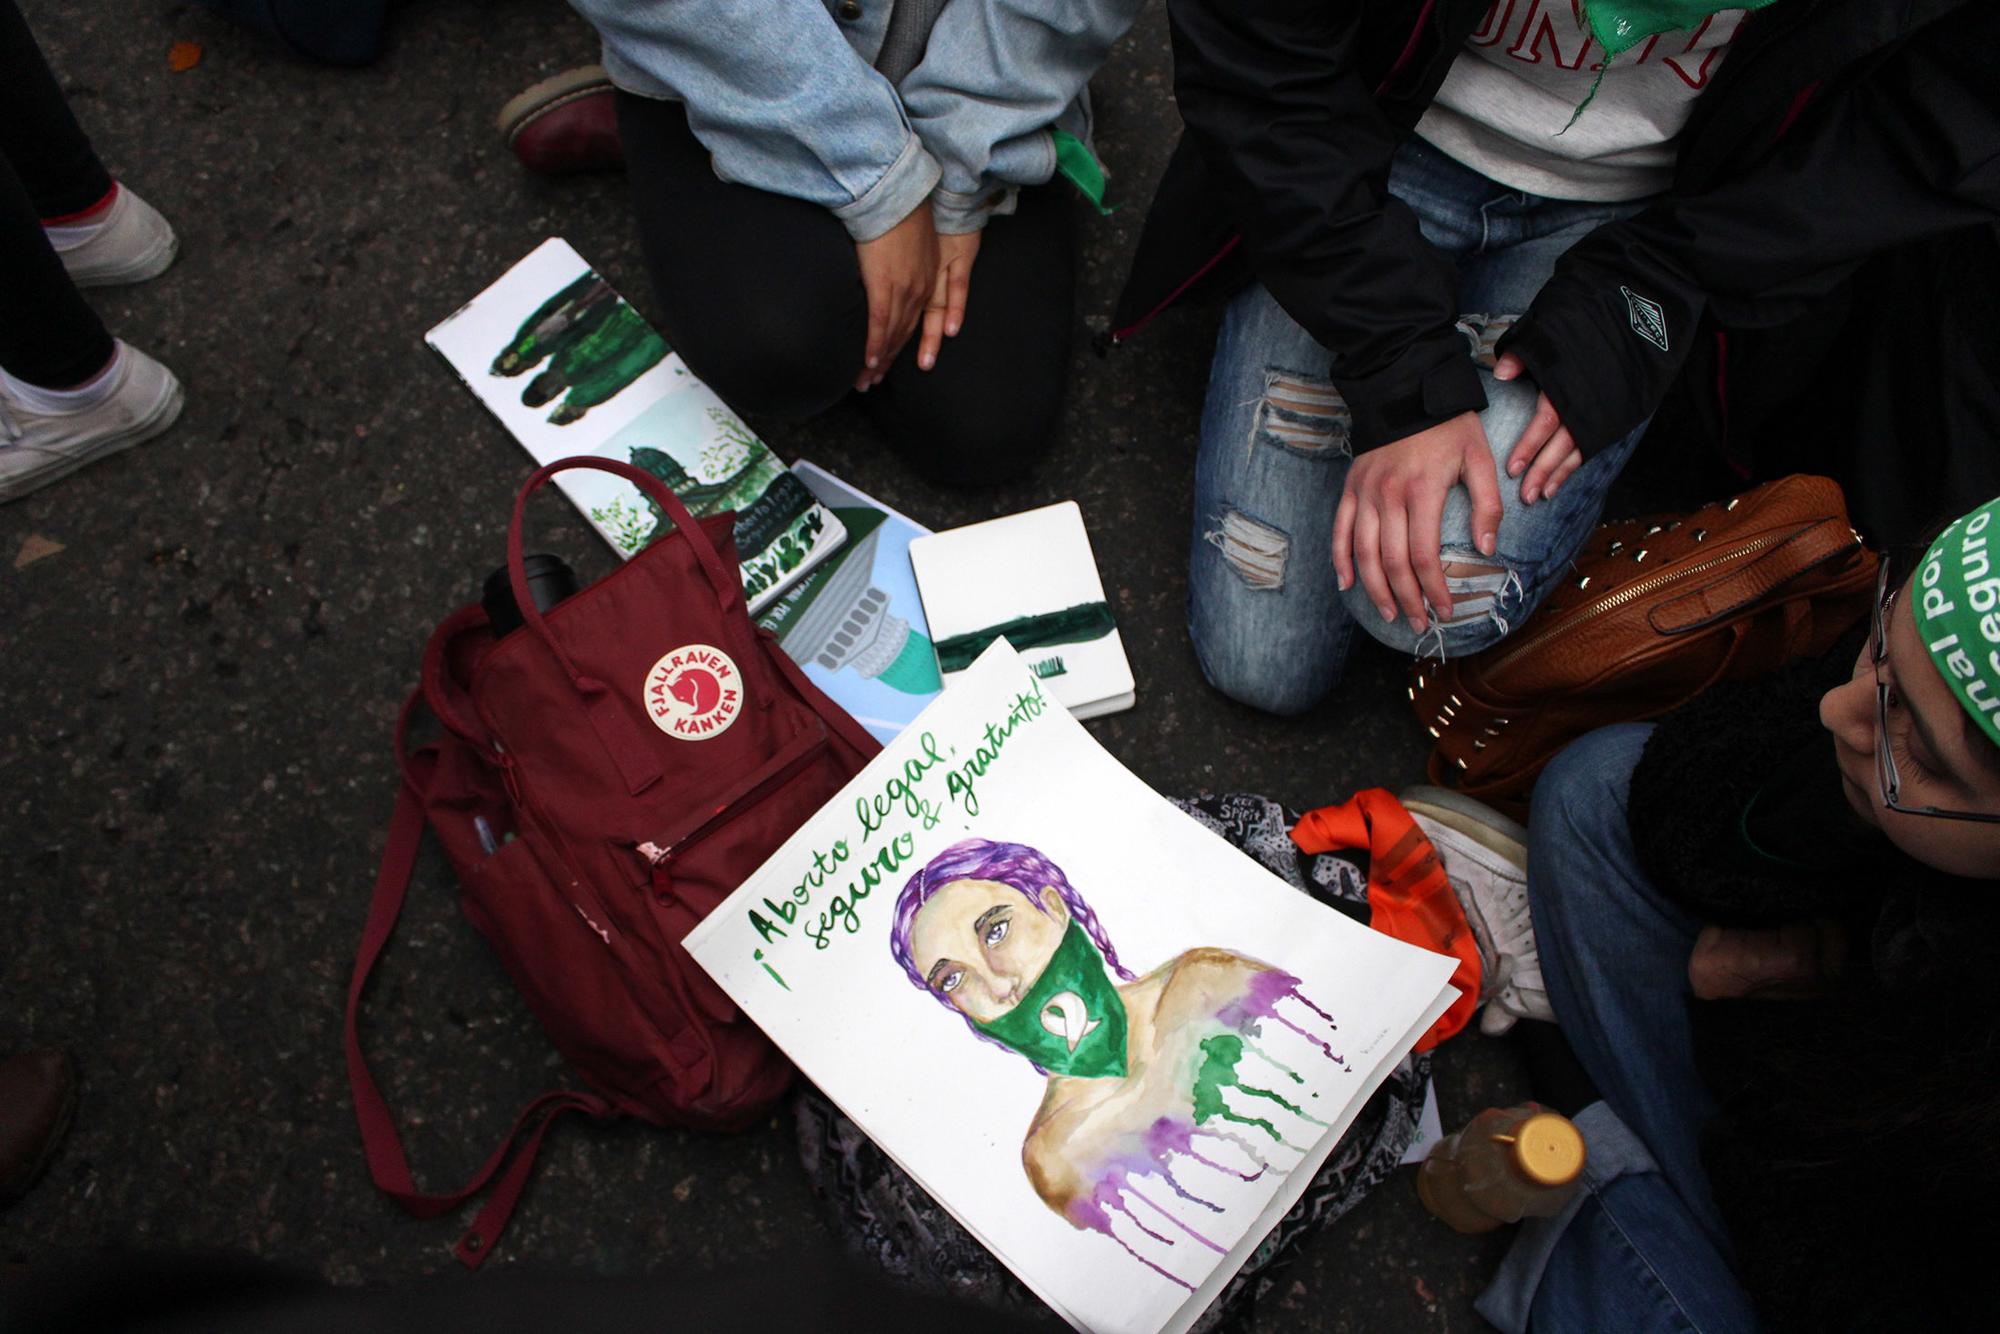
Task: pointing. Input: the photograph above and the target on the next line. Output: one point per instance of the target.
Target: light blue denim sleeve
(780, 98)
(996, 76)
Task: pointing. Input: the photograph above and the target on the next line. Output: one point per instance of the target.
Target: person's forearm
(996, 75)
(1909, 152)
(781, 101)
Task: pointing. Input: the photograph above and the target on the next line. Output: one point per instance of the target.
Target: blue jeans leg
(1268, 624)
(1644, 1247)
(1267, 621)
(1614, 953)
(1624, 1255)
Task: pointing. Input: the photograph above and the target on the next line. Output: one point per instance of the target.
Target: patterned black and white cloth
(883, 1215)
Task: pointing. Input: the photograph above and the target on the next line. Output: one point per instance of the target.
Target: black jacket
(1851, 1126)
(1834, 129)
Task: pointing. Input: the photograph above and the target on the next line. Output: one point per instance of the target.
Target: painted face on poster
(1101, 1036)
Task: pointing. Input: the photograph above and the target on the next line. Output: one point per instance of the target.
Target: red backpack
(607, 774)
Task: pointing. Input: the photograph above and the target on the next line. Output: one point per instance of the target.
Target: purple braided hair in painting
(1015, 865)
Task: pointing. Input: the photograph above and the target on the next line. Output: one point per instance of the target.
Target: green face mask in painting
(1072, 1021)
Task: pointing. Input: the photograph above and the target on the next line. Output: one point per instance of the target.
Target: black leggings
(49, 335)
(761, 295)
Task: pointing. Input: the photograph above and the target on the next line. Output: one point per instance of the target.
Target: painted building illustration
(839, 619)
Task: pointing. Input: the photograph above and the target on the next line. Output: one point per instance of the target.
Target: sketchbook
(855, 625)
(1031, 579)
(569, 367)
(1110, 1044)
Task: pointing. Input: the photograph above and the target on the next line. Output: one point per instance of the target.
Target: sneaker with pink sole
(128, 242)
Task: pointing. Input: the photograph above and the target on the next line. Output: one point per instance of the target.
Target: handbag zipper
(1640, 589)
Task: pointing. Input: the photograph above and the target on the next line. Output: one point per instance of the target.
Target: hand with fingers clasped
(899, 272)
(1387, 531)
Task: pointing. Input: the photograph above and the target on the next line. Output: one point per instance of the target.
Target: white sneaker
(37, 447)
(129, 244)
(1485, 856)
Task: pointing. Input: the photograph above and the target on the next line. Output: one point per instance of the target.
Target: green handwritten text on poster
(912, 798)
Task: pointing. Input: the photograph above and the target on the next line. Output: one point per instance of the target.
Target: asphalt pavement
(204, 643)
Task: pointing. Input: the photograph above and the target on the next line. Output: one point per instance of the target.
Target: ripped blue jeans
(1269, 624)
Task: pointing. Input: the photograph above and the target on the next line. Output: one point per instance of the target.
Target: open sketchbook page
(855, 624)
(569, 367)
(1031, 579)
(1109, 1043)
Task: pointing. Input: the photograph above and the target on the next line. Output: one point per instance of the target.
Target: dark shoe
(37, 1098)
(565, 124)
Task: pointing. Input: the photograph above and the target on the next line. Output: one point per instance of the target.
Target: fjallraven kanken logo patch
(1649, 321)
(694, 692)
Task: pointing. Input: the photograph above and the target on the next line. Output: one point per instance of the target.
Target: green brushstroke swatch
(1072, 625)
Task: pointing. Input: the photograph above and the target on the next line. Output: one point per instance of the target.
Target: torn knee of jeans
(1479, 587)
(1482, 333)
(1255, 550)
(1301, 413)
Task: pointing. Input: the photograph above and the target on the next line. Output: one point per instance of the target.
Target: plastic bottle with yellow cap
(1509, 1163)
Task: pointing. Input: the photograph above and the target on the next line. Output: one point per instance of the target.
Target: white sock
(86, 395)
(69, 235)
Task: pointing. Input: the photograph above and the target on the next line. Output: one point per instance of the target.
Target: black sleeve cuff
(1400, 401)
(1599, 405)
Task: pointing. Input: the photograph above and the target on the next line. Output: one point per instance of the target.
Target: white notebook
(1030, 579)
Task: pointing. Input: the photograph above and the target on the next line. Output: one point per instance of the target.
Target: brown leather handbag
(1656, 611)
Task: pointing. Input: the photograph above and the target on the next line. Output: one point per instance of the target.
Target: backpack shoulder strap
(386, 1161)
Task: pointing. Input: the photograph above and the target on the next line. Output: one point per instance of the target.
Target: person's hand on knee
(899, 270)
(1388, 527)
(1779, 963)
(1545, 450)
(945, 315)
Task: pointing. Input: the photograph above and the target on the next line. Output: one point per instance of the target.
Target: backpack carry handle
(726, 584)
(630, 749)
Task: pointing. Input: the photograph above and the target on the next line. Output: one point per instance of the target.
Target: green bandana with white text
(1955, 599)
(1072, 1021)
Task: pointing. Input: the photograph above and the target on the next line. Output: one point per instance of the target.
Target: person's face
(1931, 744)
(981, 945)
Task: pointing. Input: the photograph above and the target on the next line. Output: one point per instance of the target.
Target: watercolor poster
(1113, 1046)
(569, 367)
(855, 624)
(1031, 579)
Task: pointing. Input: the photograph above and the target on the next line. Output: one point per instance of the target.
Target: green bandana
(1076, 163)
(1620, 25)
(1956, 601)
(1072, 1021)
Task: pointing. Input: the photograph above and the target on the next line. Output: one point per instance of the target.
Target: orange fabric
(1408, 895)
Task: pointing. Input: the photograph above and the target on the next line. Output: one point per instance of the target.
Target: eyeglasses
(1886, 588)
